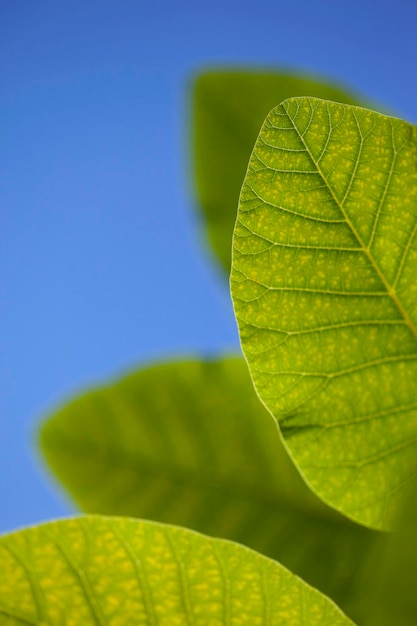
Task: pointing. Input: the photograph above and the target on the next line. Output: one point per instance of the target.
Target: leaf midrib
(390, 291)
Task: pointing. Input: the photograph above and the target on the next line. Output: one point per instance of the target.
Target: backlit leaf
(118, 572)
(325, 293)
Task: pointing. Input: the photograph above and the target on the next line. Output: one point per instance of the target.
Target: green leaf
(110, 571)
(229, 108)
(389, 576)
(324, 290)
(189, 443)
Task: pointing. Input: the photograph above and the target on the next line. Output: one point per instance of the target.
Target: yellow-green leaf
(189, 443)
(118, 572)
(229, 108)
(325, 293)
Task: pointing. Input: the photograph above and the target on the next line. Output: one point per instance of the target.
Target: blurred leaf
(189, 443)
(389, 582)
(106, 571)
(229, 108)
(325, 293)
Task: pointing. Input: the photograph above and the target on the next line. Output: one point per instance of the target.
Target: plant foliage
(229, 109)
(119, 571)
(325, 295)
(323, 283)
(203, 454)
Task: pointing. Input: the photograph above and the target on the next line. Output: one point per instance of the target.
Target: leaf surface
(229, 108)
(325, 293)
(189, 443)
(113, 571)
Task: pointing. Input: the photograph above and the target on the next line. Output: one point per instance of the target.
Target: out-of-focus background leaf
(189, 443)
(229, 109)
(387, 583)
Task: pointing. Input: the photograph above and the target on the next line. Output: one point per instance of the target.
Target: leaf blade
(327, 207)
(102, 571)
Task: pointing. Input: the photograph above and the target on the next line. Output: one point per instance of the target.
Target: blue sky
(102, 261)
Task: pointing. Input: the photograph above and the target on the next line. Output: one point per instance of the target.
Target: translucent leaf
(325, 293)
(104, 571)
(229, 108)
(189, 443)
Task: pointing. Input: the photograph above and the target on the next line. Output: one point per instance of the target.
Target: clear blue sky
(101, 262)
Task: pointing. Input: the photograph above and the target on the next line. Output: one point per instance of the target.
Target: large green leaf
(229, 108)
(325, 293)
(189, 443)
(118, 572)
